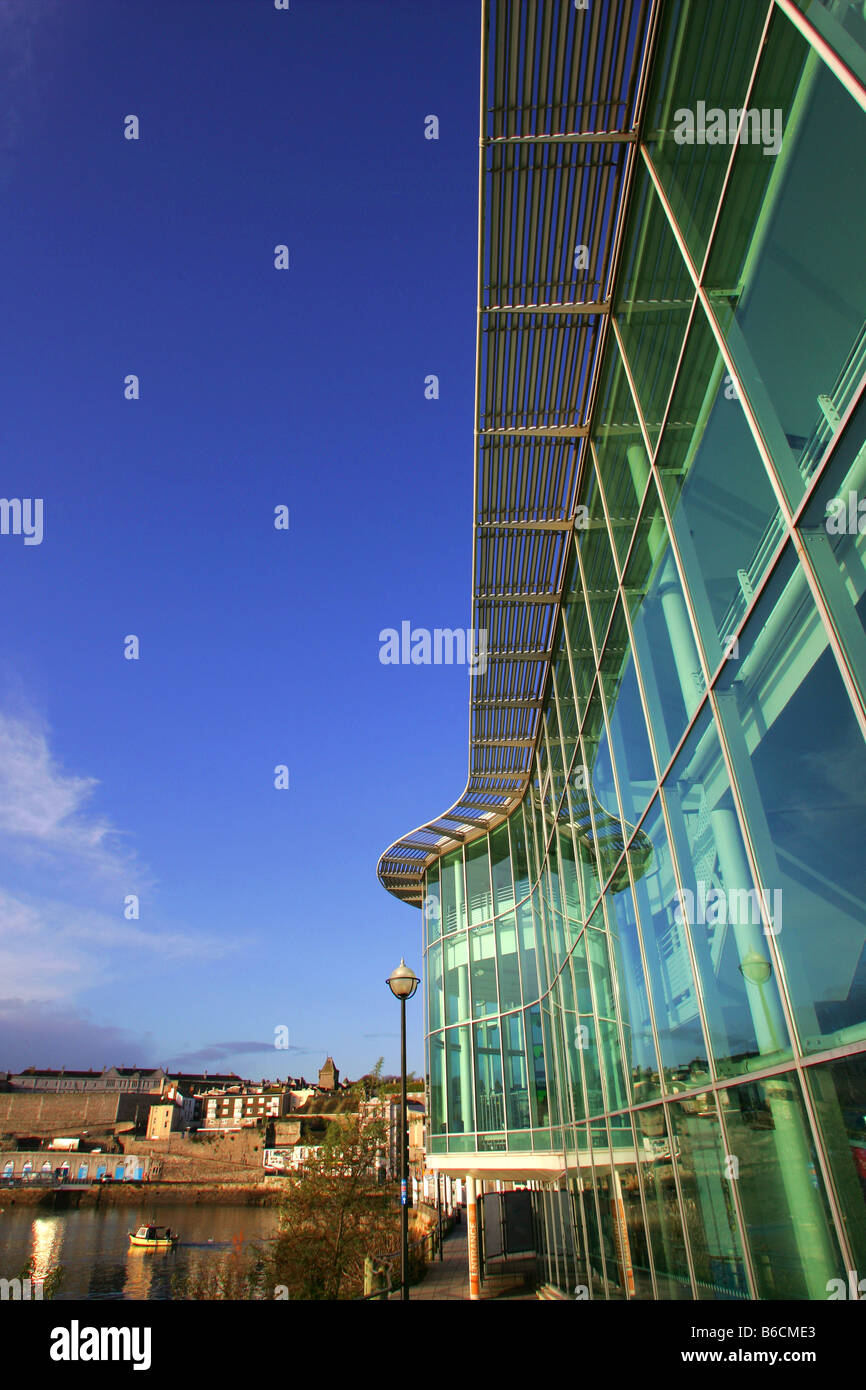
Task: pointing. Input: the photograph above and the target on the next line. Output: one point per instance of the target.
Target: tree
(334, 1213)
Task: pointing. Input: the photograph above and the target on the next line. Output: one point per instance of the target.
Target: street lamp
(403, 984)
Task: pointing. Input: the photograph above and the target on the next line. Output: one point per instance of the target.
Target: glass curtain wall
(657, 966)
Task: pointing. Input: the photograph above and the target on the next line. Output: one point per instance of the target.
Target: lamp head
(403, 982)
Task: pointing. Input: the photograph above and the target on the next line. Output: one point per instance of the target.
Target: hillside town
(69, 1131)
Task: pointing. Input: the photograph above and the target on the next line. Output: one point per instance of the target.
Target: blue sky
(259, 908)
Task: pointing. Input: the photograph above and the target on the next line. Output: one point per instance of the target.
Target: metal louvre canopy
(562, 93)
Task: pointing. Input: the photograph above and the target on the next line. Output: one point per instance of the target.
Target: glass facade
(655, 968)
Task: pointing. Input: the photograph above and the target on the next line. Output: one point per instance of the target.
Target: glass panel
(459, 1056)
(721, 906)
(432, 903)
(630, 1221)
(509, 972)
(599, 832)
(634, 1001)
(664, 1226)
(663, 640)
(708, 1203)
(554, 749)
(787, 256)
(452, 892)
(500, 868)
(596, 555)
(725, 515)
(456, 978)
(574, 1037)
(434, 988)
(566, 701)
(799, 758)
(548, 1025)
(483, 972)
(620, 454)
(437, 1083)
(793, 1247)
(834, 532)
(489, 1100)
(706, 54)
(843, 24)
(655, 299)
(569, 883)
(478, 881)
(538, 1092)
(576, 620)
(683, 1050)
(628, 730)
(528, 957)
(611, 1226)
(516, 1083)
(519, 853)
(839, 1095)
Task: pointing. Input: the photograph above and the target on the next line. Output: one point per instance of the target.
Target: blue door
(118, 1173)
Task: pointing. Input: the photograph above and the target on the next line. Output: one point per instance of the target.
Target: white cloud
(42, 804)
(63, 878)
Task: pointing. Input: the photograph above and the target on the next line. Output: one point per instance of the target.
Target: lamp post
(403, 983)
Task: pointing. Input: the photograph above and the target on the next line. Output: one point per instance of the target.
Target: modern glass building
(645, 918)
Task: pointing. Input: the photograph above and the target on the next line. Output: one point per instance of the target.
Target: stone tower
(329, 1077)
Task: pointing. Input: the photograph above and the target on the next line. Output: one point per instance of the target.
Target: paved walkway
(448, 1278)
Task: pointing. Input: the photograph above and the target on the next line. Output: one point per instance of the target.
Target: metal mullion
(839, 69)
(759, 53)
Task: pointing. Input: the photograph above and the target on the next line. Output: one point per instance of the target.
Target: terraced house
(644, 918)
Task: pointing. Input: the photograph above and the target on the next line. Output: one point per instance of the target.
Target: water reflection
(92, 1246)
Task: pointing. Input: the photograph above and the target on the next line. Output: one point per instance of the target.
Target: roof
(329, 1103)
(562, 97)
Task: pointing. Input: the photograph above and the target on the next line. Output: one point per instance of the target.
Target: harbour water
(91, 1245)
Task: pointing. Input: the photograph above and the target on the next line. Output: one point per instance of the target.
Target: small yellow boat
(153, 1238)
